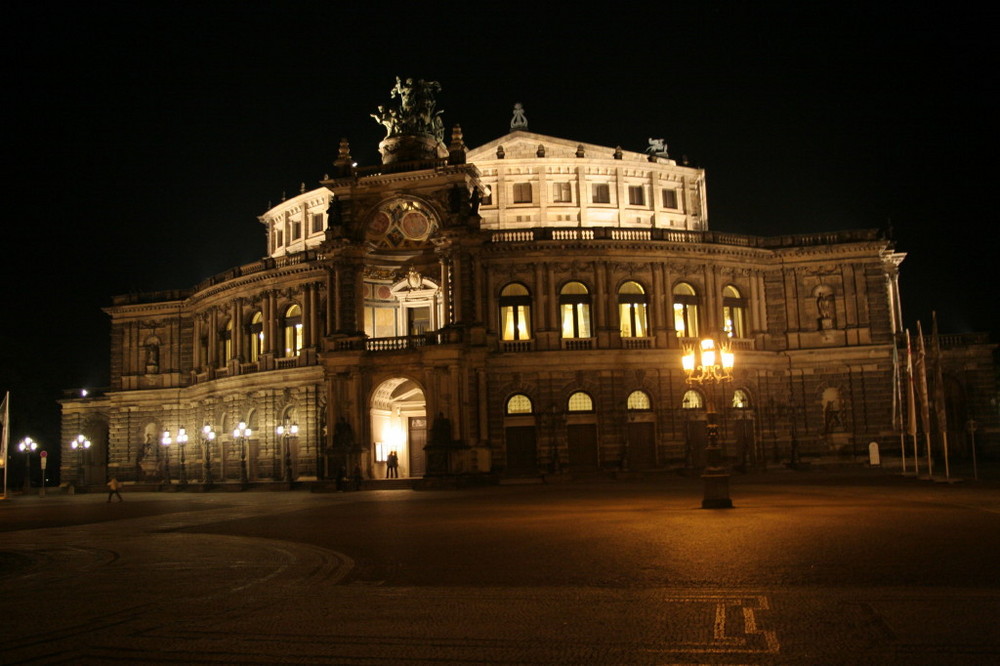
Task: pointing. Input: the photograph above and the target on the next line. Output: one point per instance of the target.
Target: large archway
(399, 424)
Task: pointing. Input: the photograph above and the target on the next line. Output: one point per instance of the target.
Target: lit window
(734, 313)
(574, 306)
(317, 226)
(685, 311)
(380, 322)
(600, 193)
(740, 399)
(522, 193)
(256, 330)
(515, 312)
(639, 401)
(519, 404)
(562, 193)
(632, 310)
(669, 198)
(636, 195)
(580, 402)
(692, 400)
(293, 331)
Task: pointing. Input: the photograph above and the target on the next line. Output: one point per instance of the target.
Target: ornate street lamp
(241, 434)
(207, 436)
(182, 439)
(285, 432)
(712, 363)
(80, 445)
(166, 441)
(27, 446)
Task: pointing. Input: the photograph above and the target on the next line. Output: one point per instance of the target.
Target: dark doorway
(641, 446)
(582, 447)
(522, 450)
(417, 429)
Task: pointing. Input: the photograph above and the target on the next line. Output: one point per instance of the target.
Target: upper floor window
(515, 312)
(639, 401)
(685, 310)
(256, 331)
(522, 193)
(692, 400)
(296, 230)
(317, 223)
(669, 198)
(741, 399)
(600, 193)
(293, 330)
(636, 195)
(632, 310)
(226, 343)
(734, 313)
(519, 404)
(487, 196)
(580, 402)
(562, 193)
(574, 307)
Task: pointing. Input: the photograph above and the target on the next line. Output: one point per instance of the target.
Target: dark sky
(144, 139)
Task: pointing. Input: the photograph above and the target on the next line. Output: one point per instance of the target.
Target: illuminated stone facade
(515, 309)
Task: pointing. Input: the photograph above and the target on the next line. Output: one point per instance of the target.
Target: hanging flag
(897, 406)
(939, 405)
(911, 399)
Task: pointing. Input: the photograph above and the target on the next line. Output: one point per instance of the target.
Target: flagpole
(5, 435)
(939, 401)
(911, 405)
(897, 401)
(925, 411)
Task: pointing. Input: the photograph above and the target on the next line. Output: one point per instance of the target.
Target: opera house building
(516, 309)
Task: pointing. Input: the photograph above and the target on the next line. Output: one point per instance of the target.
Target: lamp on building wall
(166, 440)
(80, 444)
(711, 363)
(285, 432)
(207, 437)
(27, 446)
(241, 434)
(182, 439)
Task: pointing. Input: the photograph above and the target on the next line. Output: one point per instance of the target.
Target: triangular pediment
(521, 144)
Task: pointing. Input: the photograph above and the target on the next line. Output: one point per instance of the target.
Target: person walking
(114, 488)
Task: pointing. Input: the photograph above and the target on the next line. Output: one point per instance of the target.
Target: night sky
(144, 139)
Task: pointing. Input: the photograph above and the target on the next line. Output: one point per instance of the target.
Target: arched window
(515, 312)
(639, 401)
(741, 399)
(226, 344)
(256, 331)
(519, 404)
(580, 402)
(574, 307)
(632, 310)
(734, 313)
(293, 330)
(685, 311)
(692, 400)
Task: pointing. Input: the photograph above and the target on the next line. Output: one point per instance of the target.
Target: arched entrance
(399, 423)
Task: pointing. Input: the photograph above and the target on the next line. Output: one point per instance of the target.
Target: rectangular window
(296, 230)
(636, 196)
(562, 193)
(278, 239)
(488, 197)
(522, 193)
(600, 193)
(669, 198)
(317, 223)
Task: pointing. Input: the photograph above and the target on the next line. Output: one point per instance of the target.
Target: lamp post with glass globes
(27, 446)
(241, 434)
(207, 436)
(166, 440)
(712, 363)
(285, 432)
(80, 444)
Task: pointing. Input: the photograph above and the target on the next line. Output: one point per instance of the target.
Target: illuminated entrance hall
(398, 425)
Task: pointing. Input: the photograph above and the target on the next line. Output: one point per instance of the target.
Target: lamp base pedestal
(716, 484)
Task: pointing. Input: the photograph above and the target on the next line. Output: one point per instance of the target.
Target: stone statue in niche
(825, 308)
(832, 419)
(152, 358)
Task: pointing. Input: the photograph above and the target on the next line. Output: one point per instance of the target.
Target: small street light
(27, 446)
(241, 434)
(207, 437)
(166, 441)
(80, 445)
(182, 439)
(712, 363)
(285, 432)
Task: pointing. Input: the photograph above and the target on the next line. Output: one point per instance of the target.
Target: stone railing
(516, 345)
(637, 343)
(577, 344)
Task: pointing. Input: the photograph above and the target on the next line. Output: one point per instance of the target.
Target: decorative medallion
(415, 225)
(401, 222)
(379, 224)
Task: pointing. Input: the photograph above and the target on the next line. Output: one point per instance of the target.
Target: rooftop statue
(414, 112)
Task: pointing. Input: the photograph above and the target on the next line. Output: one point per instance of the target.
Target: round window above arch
(580, 402)
(639, 401)
(519, 404)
